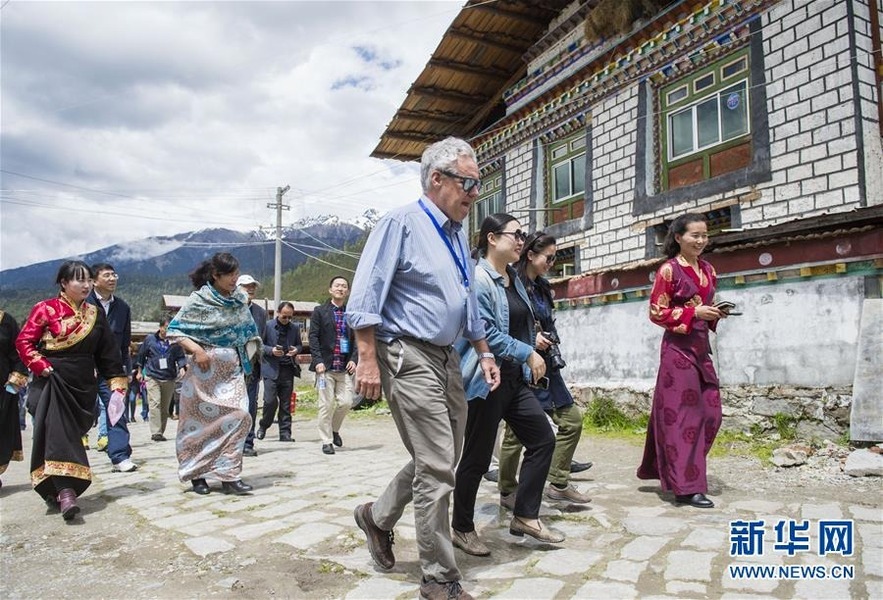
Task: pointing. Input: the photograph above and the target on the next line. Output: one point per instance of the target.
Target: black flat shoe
(327, 449)
(201, 487)
(695, 500)
(579, 467)
(235, 487)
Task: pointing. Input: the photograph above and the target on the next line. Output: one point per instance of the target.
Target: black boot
(235, 487)
(200, 487)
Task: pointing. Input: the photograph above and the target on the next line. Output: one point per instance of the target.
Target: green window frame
(702, 116)
(490, 201)
(566, 173)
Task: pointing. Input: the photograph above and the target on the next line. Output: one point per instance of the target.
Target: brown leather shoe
(568, 494)
(469, 542)
(508, 500)
(379, 541)
(67, 504)
(541, 533)
(447, 590)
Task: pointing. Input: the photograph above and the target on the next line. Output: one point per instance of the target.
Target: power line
(317, 258)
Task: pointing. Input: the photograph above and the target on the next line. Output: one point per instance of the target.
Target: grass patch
(602, 416)
(785, 425)
(738, 443)
(326, 567)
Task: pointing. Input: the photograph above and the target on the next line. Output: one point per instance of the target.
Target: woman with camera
(686, 412)
(505, 308)
(537, 257)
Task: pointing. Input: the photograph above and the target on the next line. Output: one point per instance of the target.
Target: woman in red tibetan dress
(686, 411)
(63, 342)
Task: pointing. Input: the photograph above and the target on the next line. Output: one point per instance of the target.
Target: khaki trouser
(159, 396)
(424, 388)
(335, 401)
(569, 421)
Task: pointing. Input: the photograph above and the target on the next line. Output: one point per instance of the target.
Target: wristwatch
(484, 355)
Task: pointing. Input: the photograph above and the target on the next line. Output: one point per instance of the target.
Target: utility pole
(277, 273)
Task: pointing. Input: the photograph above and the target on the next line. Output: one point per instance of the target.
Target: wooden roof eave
(505, 29)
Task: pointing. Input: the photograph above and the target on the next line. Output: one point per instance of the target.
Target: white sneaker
(125, 466)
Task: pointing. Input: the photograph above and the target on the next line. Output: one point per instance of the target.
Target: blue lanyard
(461, 264)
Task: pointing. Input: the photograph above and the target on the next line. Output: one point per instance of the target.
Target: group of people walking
(456, 340)
(76, 346)
(456, 345)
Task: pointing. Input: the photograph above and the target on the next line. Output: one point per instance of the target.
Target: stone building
(765, 115)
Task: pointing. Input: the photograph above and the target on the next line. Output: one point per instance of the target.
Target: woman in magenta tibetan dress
(686, 412)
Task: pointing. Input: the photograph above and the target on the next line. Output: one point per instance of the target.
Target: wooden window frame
(667, 162)
(572, 205)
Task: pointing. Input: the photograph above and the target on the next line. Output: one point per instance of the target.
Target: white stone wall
(792, 333)
(869, 94)
(614, 135)
(519, 165)
(811, 109)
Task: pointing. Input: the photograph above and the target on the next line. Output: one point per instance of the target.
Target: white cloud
(190, 115)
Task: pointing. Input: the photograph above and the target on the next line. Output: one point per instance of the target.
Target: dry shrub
(614, 17)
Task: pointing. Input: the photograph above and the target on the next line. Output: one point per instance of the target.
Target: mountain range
(160, 264)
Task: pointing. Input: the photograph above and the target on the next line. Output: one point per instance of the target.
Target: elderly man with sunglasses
(412, 298)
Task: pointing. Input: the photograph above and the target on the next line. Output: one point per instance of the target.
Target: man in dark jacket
(119, 316)
(160, 364)
(334, 358)
(282, 344)
(250, 285)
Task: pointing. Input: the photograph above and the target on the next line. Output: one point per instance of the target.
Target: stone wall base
(814, 412)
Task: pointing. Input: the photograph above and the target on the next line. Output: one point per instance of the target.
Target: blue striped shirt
(407, 283)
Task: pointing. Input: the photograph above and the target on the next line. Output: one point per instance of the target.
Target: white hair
(443, 155)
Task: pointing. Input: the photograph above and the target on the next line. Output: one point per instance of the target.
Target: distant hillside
(155, 266)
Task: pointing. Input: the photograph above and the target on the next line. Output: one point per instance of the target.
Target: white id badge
(163, 363)
(344, 345)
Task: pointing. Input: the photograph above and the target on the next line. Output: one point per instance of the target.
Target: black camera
(554, 352)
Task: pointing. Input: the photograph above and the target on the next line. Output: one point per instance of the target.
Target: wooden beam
(413, 136)
(441, 118)
(433, 92)
(486, 39)
(458, 67)
(495, 10)
(402, 156)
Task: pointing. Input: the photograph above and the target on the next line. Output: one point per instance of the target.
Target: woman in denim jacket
(509, 325)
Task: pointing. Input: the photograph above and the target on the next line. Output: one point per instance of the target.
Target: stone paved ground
(144, 535)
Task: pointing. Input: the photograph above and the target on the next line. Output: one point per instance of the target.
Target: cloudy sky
(122, 120)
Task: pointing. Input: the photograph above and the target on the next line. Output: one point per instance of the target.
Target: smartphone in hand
(541, 384)
(727, 307)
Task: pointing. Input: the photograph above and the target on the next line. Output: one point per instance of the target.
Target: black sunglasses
(469, 183)
(517, 234)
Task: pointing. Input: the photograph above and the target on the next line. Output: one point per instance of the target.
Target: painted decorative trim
(707, 28)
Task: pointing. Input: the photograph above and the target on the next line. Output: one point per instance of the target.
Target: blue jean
(118, 448)
(102, 412)
(135, 395)
(251, 386)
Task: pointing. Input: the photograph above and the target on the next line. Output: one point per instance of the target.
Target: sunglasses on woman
(468, 183)
(517, 234)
